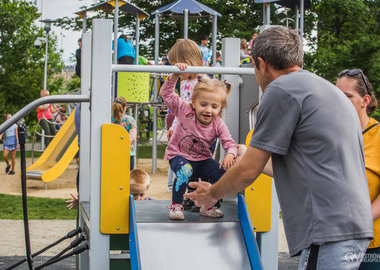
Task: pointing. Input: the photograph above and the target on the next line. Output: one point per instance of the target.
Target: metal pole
(137, 38)
(100, 114)
(302, 13)
(84, 26)
(297, 17)
(173, 69)
(214, 26)
(115, 26)
(46, 58)
(186, 23)
(156, 55)
(35, 103)
(84, 172)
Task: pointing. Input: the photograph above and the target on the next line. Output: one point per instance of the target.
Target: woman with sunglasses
(355, 85)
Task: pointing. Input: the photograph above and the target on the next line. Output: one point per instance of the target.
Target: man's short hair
(203, 37)
(279, 47)
(139, 177)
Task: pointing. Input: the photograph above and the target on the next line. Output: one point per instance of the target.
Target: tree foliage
(348, 36)
(239, 18)
(21, 64)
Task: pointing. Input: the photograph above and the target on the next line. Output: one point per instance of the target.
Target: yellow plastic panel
(115, 170)
(134, 87)
(259, 199)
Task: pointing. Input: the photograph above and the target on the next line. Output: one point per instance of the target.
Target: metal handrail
(34, 104)
(190, 69)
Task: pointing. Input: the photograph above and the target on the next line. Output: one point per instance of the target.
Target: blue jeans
(185, 170)
(341, 255)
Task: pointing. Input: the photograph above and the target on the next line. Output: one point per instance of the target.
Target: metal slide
(58, 155)
(196, 243)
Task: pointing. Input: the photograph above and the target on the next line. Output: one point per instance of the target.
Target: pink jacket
(191, 139)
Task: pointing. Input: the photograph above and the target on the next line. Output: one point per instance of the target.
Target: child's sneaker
(213, 212)
(7, 169)
(187, 204)
(11, 172)
(176, 211)
(195, 208)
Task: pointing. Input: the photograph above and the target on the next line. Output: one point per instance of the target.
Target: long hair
(118, 108)
(185, 51)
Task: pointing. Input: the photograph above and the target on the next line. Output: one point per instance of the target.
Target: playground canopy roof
(286, 3)
(177, 8)
(123, 6)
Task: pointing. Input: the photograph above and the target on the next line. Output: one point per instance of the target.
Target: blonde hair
(242, 42)
(205, 83)
(139, 177)
(44, 92)
(118, 108)
(185, 51)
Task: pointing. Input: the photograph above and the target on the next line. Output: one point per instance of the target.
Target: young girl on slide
(199, 125)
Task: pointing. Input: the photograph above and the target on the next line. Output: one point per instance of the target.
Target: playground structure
(57, 155)
(99, 81)
(103, 216)
(104, 199)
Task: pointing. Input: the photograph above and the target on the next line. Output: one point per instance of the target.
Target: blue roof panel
(193, 6)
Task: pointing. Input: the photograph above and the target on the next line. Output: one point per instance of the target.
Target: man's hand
(201, 196)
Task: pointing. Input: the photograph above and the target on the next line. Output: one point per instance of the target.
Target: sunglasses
(353, 72)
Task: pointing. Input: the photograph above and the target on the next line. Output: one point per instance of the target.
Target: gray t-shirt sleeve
(277, 118)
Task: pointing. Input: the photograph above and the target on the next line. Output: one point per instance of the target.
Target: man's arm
(236, 179)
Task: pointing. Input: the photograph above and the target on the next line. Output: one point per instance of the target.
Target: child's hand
(72, 203)
(18, 146)
(181, 66)
(227, 162)
(169, 134)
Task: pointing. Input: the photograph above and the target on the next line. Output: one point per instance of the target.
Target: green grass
(38, 208)
(145, 151)
(18, 154)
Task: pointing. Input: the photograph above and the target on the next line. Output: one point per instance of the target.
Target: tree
(347, 37)
(239, 18)
(21, 64)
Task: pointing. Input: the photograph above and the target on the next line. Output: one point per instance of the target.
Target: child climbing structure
(235, 228)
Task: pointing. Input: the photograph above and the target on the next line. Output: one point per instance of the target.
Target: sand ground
(45, 232)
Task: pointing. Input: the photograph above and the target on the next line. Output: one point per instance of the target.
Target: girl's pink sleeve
(172, 100)
(225, 138)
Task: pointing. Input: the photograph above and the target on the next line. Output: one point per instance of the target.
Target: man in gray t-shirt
(312, 132)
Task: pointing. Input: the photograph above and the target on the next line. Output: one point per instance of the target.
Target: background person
(356, 86)
(255, 33)
(128, 122)
(139, 184)
(126, 52)
(312, 134)
(10, 145)
(44, 116)
(204, 50)
(244, 54)
(78, 57)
